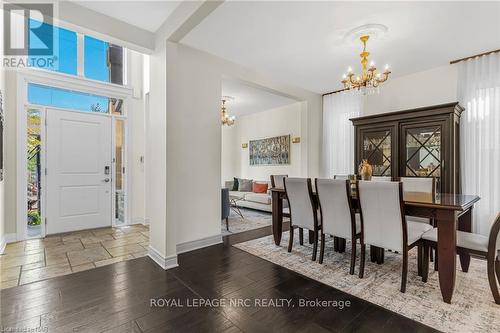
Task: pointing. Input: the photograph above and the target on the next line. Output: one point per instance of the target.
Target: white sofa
(258, 201)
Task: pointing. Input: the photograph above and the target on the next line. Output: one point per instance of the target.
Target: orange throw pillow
(259, 187)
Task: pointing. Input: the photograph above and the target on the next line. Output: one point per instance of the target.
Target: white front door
(78, 159)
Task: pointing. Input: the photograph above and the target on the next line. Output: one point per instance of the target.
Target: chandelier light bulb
(372, 64)
(349, 70)
(386, 67)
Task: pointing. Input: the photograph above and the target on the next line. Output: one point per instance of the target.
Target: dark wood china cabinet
(421, 142)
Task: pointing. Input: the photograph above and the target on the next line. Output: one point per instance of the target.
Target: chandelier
(369, 77)
(226, 119)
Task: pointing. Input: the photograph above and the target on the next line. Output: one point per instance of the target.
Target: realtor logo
(28, 29)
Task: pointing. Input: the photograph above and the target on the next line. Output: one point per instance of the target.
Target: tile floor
(40, 259)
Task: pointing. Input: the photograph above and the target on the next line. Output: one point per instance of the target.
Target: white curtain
(338, 132)
(479, 93)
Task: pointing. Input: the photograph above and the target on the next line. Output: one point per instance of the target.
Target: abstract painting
(270, 151)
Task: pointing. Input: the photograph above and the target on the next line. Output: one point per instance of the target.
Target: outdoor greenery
(34, 217)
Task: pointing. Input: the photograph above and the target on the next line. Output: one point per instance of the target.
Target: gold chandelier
(369, 77)
(226, 119)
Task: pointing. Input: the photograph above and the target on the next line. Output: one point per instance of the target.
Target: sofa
(258, 201)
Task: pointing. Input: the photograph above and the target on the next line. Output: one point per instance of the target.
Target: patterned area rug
(472, 308)
(252, 219)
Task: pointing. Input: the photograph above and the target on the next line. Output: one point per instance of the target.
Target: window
(65, 49)
(75, 100)
(103, 61)
(33, 155)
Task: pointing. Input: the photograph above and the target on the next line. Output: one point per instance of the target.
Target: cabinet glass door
(423, 152)
(377, 149)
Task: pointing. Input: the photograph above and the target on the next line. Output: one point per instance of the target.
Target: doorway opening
(76, 161)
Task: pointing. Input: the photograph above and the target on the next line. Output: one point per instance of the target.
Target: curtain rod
(334, 92)
(474, 56)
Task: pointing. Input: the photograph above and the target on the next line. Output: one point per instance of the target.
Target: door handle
(106, 180)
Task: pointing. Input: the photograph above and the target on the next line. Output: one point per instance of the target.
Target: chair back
(381, 178)
(341, 177)
(419, 184)
(225, 209)
(278, 181)
(383, 221)
(494, 240)
(301, 202)
(337, 216)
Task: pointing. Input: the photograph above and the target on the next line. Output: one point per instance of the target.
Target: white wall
(431, 87)
(285, 120)
(192, 148)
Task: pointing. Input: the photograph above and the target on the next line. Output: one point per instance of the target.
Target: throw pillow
(235, 184)
(245, 185)
(259, 187)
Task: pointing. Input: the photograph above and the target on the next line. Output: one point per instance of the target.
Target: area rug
(472, 308)
(252, 219)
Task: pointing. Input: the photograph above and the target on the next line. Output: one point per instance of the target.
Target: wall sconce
(296, 139)
(244, 145)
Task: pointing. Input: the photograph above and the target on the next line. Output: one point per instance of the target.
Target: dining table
(450, 212)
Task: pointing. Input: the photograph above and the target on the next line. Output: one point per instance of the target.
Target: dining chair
(278, 180)
(303, 211)
(475, 244)
(381, 178)
(225, 206)
(384, 225)
(341, 177)
(338, 218)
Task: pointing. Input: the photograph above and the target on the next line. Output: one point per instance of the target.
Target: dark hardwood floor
(116, 298)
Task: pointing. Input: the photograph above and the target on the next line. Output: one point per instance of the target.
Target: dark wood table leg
(311, 237)
(335, 244)
(380, 255)
(342, 243)
(277, 210)
(373, 253)
(447, 259)
(465, 224)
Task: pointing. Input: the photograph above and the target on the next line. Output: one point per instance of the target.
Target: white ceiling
(302, 42)
(250, 99)
(148, 15)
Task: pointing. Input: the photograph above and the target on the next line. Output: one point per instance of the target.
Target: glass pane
(103, 61)
(377, 150)
(423, 152)
(74, 100)
(119, 169)
(33, 145)
(64, 59)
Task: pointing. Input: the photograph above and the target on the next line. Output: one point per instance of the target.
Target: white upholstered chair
(341, 177)
(383, 222)
(421, 185)
(338, 218)
(278, 181)
(381, 178)
(470, 243)
(303, 212)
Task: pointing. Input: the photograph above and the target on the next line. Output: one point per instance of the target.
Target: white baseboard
(199, 243)
(6, 239)
(139, 220)
(164, 262)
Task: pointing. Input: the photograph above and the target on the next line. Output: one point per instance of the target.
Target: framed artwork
(1, 135)
(270, 151)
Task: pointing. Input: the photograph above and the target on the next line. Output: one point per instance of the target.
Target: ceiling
(250, 99)
(302, 43)
(148, 15)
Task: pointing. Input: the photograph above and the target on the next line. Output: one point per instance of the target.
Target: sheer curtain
(479, 93)
(338, 132)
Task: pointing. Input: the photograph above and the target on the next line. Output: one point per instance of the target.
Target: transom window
(101, 61)
(75, 100)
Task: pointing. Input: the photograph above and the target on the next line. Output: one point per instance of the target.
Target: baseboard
(140, 220)
(6, 239)
(199, 243)
(164, 262)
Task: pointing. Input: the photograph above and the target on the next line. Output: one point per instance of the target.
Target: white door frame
(66, 82)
